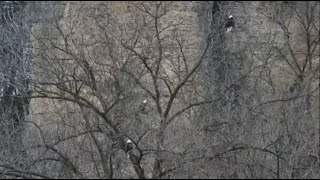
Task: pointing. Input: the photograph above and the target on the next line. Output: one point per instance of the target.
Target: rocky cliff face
(95, 63)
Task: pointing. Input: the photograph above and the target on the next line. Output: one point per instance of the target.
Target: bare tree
(15, 79)
(113, 69)
(162, 90)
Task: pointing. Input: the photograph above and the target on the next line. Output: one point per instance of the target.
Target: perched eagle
(143, 106)
(230, 23)
(129, 147)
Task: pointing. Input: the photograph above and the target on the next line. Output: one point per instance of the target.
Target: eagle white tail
(229, 29)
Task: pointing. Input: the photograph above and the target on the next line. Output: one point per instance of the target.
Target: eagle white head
(230, 16)
(129, 141)
(144, 101)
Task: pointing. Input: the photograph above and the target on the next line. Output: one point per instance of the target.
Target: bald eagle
(129, 147)
(230, 23)
(143, 106)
